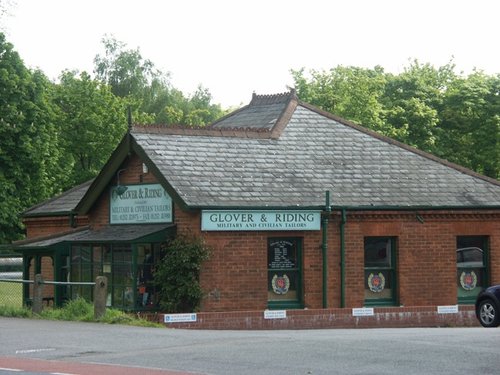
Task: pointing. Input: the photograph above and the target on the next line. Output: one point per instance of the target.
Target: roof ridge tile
(246, 132)
(273, 98)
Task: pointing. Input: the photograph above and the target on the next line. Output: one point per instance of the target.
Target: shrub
(178, 273)
(77, 309)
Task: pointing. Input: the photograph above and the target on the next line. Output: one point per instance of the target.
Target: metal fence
(11, 287)
(100, 292)
(11, 294)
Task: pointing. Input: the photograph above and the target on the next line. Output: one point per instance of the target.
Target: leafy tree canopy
(29, 157)
(131, 76)
(92, 121)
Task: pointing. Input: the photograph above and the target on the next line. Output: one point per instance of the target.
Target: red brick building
(303, 210)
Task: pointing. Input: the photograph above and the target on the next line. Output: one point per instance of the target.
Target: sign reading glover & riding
(248, 220)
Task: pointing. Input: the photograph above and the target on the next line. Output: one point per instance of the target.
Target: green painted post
(325, 248)
(342, 257)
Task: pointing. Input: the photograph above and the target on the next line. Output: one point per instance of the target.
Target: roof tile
(296, 169)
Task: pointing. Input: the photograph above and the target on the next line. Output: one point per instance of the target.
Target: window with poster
(284, 273)
(380, 271)
(472, 260)
(128, 267)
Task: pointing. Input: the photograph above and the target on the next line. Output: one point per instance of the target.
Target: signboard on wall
(250, 220)
(140, 204)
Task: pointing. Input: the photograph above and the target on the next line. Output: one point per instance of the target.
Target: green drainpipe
(324, 248)
(342, 258)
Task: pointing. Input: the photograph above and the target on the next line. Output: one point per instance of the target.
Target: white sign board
(249, 220)
(274, 314)
(140, 204)
(453, 309)
(363, 311)
(179, 318)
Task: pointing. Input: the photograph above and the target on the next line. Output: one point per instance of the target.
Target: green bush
(178, 273)
(77, 309)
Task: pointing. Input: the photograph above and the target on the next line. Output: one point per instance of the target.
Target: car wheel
(488, 314)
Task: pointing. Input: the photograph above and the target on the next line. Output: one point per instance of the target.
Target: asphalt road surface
(49, 347)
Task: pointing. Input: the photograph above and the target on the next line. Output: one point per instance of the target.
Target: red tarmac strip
(74, 368)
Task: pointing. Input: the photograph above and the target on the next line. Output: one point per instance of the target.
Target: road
(60, 347)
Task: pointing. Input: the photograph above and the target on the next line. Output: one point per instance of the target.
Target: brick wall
(46, 226)
(426, 252)
(235, 277)
(384, 317)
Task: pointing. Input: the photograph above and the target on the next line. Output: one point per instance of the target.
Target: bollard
(100, 296)
(37, 294)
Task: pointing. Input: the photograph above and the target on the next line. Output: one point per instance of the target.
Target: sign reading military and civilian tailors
(234, 220)
(140, 204)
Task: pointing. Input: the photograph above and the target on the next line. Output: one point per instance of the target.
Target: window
(123, 277)
(284, 273)
(81, 271)
(148, 257)
(115, 262)
(129, 269)
(471, 267)
(380, 264)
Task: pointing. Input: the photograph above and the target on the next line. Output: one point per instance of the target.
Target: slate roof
(314, 152)
(62, 204)
(278, 152)
(262, 113)
(124, 233)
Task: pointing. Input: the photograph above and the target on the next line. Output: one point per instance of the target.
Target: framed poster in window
(284, 273)
(380, 271)
(472, 258)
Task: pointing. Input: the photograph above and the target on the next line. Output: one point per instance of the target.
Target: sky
(234, 48)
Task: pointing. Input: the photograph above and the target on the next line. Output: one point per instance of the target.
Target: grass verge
(81, 311)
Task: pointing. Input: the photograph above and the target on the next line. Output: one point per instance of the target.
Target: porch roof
(110, 233)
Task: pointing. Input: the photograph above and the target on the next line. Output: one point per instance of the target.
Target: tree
(349, 92)
(413, 100)
(29, 142)
(149, 89)
(4, 11)
(92, 122)
(471, 123)
(124, 70)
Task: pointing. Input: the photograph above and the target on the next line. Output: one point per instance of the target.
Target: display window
(472, 257)
(284, 273)
(129, 269)
(380, 270)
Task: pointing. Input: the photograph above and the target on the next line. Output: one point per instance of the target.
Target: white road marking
(10, 369)
(34, 350)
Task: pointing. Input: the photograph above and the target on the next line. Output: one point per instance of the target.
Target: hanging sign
(140, 204)
(248, 220)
